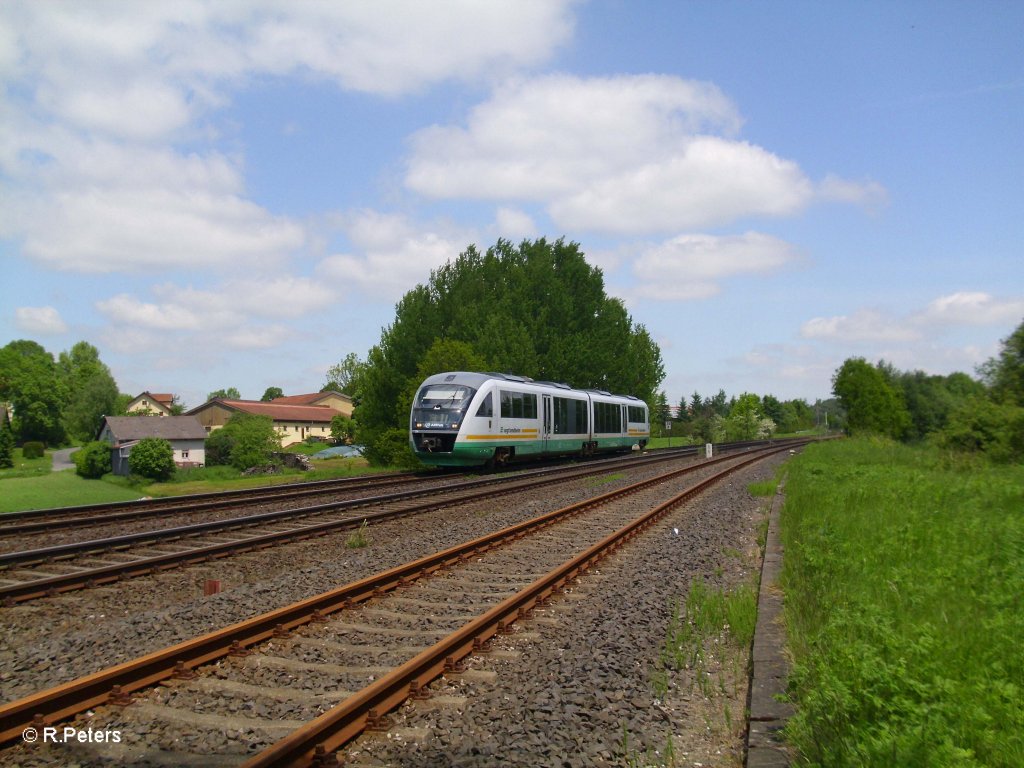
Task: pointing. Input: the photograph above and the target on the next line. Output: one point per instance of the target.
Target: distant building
(296, 418)
(185, 434)
(152, 404)
(339, 402)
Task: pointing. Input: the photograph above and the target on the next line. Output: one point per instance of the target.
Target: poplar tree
(537, 309)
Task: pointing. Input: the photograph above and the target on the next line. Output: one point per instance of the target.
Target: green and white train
(464, 419)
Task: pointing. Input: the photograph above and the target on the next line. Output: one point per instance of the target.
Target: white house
(185, 434)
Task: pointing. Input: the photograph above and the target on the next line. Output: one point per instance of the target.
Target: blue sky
(238, 193)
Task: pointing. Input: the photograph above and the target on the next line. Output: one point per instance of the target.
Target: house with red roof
(152, 404)
(296, 418)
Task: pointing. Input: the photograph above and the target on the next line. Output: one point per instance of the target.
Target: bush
(93, 460)
(255, 439)
(982, 426)
(152, 457)
(33, 450)
(391, 449)
(219, 445)
(245, 441)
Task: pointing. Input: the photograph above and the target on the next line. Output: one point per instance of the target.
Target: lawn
(27, 467)
(58, 489)
(32, 484)
(904, 577)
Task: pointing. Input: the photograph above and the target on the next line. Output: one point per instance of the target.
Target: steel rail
(91, 577)
(10, 523)
(66, 700)
(348, 719)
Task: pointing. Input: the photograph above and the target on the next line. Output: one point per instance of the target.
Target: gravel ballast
(572, 686)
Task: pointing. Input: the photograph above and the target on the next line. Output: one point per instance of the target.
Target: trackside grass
(58, 489)
(904, 580)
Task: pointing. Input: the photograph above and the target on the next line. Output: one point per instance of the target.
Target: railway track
(391, 628)
(48, 571)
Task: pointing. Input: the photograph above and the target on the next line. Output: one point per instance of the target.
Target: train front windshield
(440, 406)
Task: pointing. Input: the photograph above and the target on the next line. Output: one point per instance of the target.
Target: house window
(184, 455)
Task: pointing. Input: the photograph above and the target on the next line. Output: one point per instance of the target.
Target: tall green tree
(872, 404)
(91, 390)
(6, 440)
(745, 417)
(271, 393)
(536, 309)
(31, 383)
(1004, 374)
(930, 399)
(344, 376)
(225, 394)
(660, 413)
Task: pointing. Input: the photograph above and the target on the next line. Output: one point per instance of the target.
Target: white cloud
(84, 53)
(126, 310)
(514, 224)
(865, 325)
(689, 267)
(393, 255)
(124, 229)
(707, 182)
(282, 296)
(41, 320)
(91, 91)
(548, 138)
(869, 194)
(970, 308)
(963, 309)
(625, 154)
(234, 310)
(264, 337)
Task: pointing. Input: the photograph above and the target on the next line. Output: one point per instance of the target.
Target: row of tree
(537, 309)
(718, 418)
(56, 399)
(954, 411)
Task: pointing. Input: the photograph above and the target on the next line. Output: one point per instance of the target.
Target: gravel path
(62, 459)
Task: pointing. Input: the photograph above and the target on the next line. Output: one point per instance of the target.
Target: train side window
(570, 416)
(518, 405)
(486, 406)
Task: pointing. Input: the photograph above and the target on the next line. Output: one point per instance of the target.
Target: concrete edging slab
(770, 667)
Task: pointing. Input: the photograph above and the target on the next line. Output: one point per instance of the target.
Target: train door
(546, 423)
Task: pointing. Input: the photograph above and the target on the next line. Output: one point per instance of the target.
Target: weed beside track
(904, 578)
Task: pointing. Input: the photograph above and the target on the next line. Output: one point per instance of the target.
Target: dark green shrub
(219, 446)
(391, 449)
(6, 442)
(152, 457)
(33, 450)
(93, 460)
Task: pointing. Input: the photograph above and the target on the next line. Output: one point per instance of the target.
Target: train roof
(476, 380)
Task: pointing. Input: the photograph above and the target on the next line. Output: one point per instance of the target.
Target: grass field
(32, 484)
(59, 489)
(904, 579)
(27, 467)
